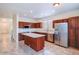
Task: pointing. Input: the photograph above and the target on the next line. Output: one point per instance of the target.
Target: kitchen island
(48, 34)
(35, 41)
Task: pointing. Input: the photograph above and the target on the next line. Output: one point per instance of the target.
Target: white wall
(47, 25)
(15, 28)
(66, 15)
(27, 20)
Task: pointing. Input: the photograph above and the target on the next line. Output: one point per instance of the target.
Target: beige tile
(8, 47)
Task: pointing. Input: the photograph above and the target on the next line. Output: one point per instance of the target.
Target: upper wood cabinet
(33, 25)
(37, 25)
(59, 21)
(22, 24)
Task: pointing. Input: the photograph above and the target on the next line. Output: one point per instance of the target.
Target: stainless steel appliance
(61, 34)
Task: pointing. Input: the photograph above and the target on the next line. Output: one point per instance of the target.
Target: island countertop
(33, 35)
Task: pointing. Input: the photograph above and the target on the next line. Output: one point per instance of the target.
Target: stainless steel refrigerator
(61, 34)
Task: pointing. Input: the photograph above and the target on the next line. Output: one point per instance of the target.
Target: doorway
(6, 28)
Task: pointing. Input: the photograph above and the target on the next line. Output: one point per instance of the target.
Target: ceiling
(35, 10)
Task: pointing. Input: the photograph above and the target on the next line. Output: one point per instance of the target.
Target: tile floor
(8, 47)
(50, 49)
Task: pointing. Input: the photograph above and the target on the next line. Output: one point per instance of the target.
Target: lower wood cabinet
(26, 40)
(35, 43)
(20, 37)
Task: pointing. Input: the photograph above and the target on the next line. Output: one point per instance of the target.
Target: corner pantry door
(5, 33)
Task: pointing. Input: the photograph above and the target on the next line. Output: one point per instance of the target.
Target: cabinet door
(32, 25)
(71, 28)
(74, 32)
(72, 23)
(26, 40)
(71, 37)
(37, 43)
(77, 32)
(40, 43)
(36, 25)
(33, 43)
(20, 37)
(39, 25)
(20, 25)
(77, 38)
(78, 23)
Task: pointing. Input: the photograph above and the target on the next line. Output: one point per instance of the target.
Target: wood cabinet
(20, 36)
(59, 21)
(22, 24)
(35, 43)
(27, 40)
(38, 25)
(71, 27)
(73, 23)
(73, 30)
(33, 25)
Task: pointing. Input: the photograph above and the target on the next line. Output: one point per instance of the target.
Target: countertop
(33, 35)
(20, 30)
(48, 32)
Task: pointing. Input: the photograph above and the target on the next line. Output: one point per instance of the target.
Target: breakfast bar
(35, 41)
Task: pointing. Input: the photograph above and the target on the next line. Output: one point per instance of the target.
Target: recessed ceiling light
(56, 4)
